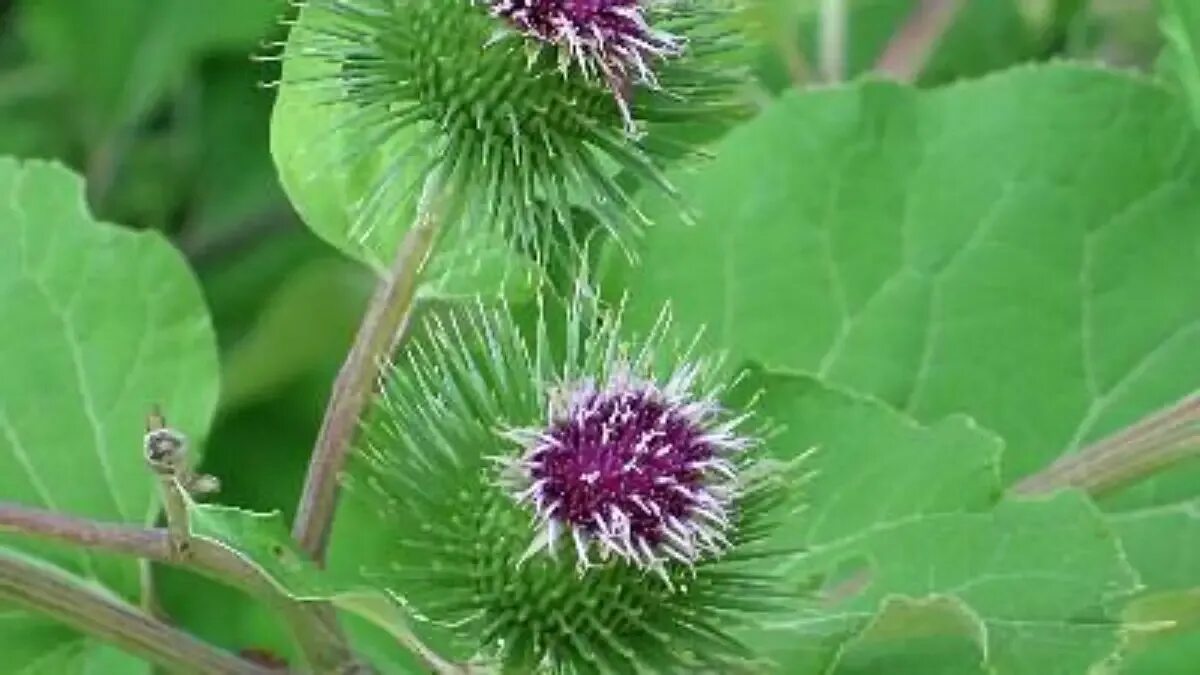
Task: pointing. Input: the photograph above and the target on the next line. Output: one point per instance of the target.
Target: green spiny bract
(525, 136)
(450, 463)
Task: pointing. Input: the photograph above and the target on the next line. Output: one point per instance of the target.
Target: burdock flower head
(643, 470)
(543, 115)
(611, 39)
(571, 499)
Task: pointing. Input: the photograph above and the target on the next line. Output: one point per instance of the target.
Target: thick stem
(308, 620)
(832, 39)
(910, 48)
(44, 589)
(84, 533)
(316, 638)
(381, 329)
(1156, 443)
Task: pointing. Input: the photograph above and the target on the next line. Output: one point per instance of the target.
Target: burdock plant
(573, 504)
(568, 498)
(554, 486)
(577, 503)
(571, 500)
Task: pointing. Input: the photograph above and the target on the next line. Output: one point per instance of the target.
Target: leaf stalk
(1154, 444)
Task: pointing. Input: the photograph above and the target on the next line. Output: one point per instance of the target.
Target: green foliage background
(911, 268)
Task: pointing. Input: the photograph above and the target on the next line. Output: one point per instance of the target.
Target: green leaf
(263, 540)
(1163, 544)
(1163, 623)
(1036, 573)
(33, 646)
(895, 508)
(33, 643)
(1162, 635)
(1173, 653)
(1023, 248)
(102, 324)
(330, 161)
(870, 464)
(256, 450)
(937, 634)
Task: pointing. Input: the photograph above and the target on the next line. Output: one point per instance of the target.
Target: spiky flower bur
(528, 116)
(572, 504)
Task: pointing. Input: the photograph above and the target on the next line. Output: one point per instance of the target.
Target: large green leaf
(1023, 248)
(1163, 544)
(894, 508)
(1036, 573)
(870, 464)
(101, 324)
(1162, 635)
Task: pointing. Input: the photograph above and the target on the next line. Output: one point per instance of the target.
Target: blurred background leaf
(985, 35)
(122, 56)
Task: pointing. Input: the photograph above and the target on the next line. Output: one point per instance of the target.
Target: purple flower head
(611, 39)
(644, 473)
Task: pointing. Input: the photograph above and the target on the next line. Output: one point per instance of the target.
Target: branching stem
(316, 632)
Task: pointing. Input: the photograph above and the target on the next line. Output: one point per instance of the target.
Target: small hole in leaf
(850, 578)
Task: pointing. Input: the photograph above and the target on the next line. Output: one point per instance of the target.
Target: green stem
(382, 327)
(1154, 444)
(832, 39)
(44, 589)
